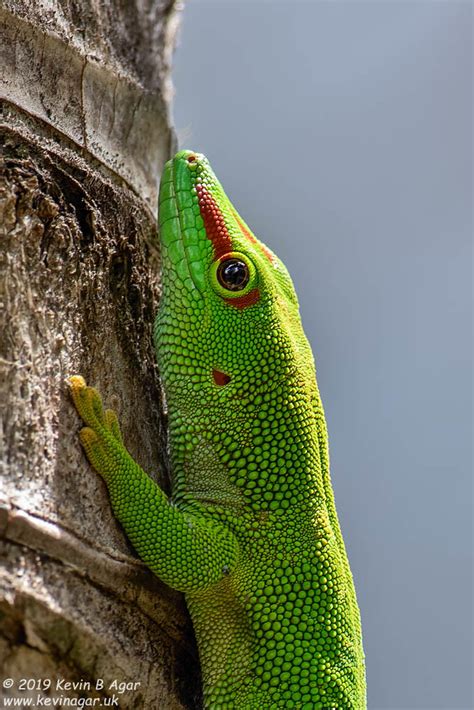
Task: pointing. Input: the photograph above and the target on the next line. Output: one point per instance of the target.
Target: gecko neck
(264, 453)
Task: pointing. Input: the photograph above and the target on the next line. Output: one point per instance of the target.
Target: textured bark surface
(84, 133)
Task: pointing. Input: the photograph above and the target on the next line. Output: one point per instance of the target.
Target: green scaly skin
(251, 535)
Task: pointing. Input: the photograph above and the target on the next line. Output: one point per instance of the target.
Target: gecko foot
(101, 438)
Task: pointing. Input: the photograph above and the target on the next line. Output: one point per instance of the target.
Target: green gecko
(251, 534)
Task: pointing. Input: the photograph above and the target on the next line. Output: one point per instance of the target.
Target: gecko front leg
(187, 551)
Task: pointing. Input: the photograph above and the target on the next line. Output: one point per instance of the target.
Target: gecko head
(229, 315)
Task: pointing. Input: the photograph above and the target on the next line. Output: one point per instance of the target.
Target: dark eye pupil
(233, 274)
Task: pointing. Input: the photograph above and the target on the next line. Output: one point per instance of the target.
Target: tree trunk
(84, 132)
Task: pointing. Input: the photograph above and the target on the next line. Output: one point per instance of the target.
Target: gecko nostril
(191, 158)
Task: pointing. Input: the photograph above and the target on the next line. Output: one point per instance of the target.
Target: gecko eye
(233, 277)
(233, 274)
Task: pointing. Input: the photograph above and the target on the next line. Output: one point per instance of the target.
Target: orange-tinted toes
(87, 401)
(95, 403)
(76, 384)
(88, 437)
(112, 424)
(101, 438)
(95, 451)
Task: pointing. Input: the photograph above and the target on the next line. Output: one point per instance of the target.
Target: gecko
(250, 534)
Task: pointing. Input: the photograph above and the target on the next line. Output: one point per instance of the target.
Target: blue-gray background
(342, 133)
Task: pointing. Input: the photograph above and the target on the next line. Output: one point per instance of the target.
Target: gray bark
(84, 131)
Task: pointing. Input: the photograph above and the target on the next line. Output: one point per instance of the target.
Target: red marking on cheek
(243, 301)
(220, 378)
(247, 233)
(213, 222)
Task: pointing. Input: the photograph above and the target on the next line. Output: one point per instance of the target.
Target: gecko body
(251, 534)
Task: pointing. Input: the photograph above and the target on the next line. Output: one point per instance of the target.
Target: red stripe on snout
(214, 223)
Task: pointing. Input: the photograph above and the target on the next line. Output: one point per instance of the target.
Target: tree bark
(84, 131)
